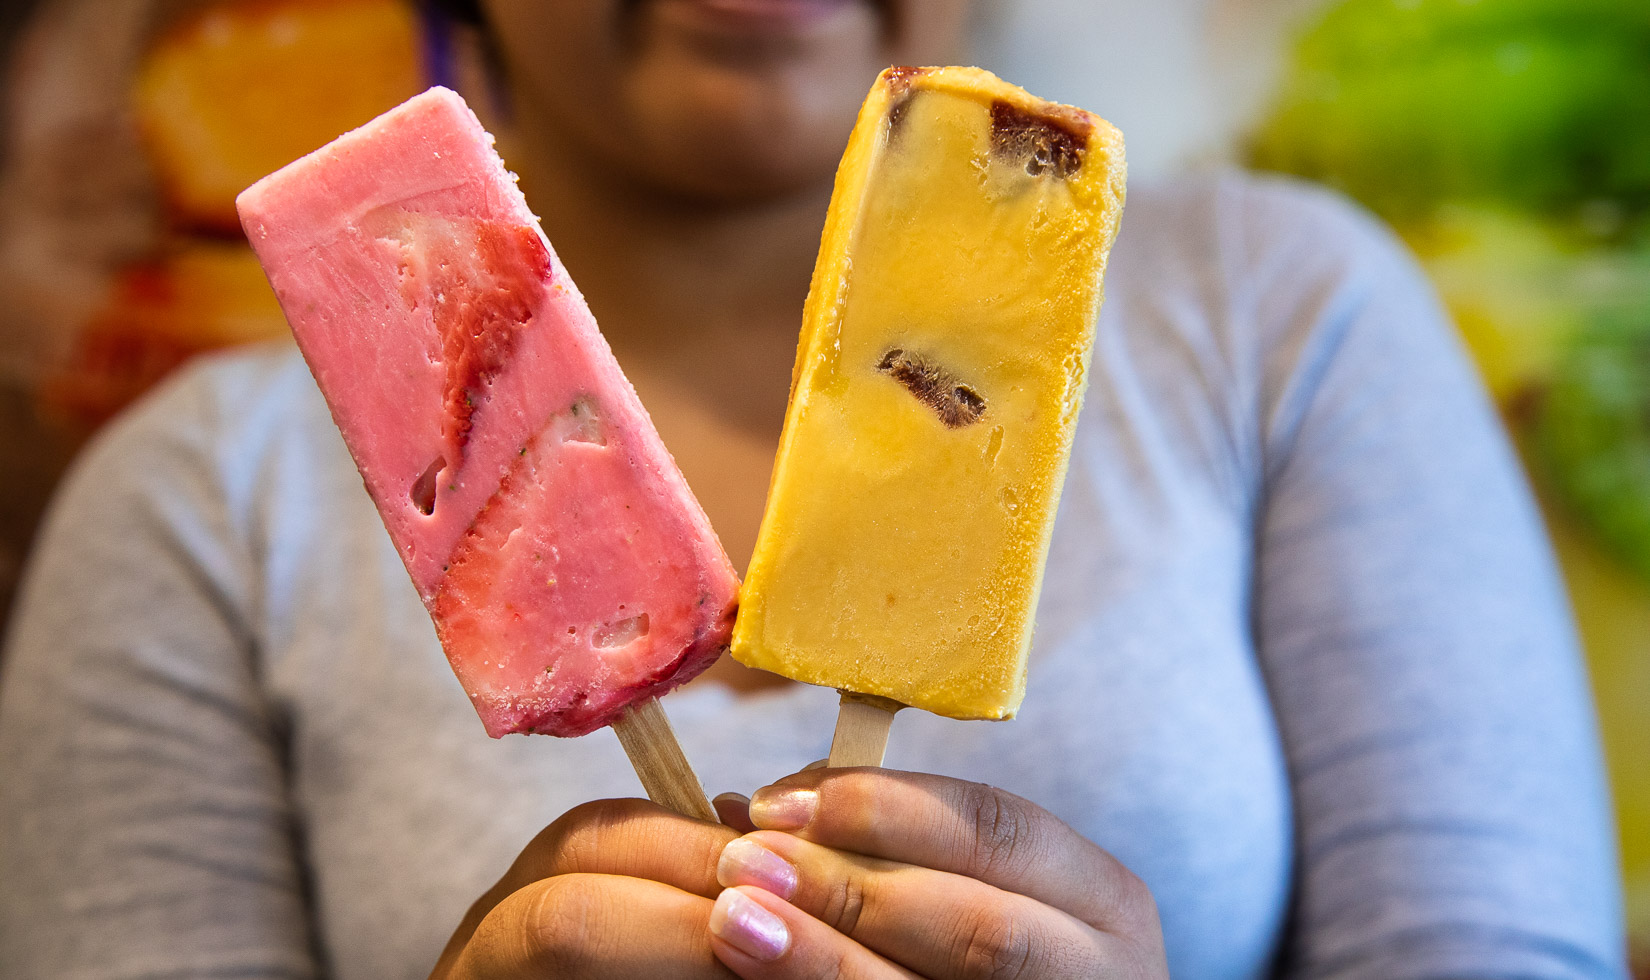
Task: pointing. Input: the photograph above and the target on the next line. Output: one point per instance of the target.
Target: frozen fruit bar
(568, 568)
(942, 364)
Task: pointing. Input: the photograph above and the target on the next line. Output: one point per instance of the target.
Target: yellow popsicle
(943, 358)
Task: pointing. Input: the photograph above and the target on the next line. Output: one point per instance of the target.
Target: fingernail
(778, 808)
(748, 927)
(745, 862)
(732, 809)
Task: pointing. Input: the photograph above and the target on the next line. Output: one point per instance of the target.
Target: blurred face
(726, 100)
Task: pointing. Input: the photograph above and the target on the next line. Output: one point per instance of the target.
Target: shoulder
(204, 470)
(1281, 288)
(212, 431)
(220, 402)
(1243, 309)
(1238, 236)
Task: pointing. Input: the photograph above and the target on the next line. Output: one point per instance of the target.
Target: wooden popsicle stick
(648, 739)
(862, 724)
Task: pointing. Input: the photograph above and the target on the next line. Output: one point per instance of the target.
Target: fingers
(934, 923)
(758, 935)
(967, 829)
(634, 838)
(592, 926)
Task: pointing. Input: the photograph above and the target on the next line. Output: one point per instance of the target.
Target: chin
(737, 170)
(744, 99)
(742, 132)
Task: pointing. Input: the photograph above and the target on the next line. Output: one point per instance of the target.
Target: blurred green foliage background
(1537, 104)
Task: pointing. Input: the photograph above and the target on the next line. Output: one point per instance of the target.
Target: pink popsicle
(569, 570)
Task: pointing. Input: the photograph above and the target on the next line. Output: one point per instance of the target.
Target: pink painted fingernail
(745, 862)
(748, 927)
(778, 808)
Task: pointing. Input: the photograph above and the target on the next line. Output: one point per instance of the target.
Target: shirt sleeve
(145, 829)
(1451, 814)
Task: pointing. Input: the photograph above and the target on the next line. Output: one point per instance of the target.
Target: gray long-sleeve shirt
(1301, 661)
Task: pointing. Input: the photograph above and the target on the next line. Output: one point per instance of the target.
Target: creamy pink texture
(568, 567)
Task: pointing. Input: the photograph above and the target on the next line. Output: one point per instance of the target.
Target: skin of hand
(870, 873)
(839, 873)
(614, 888)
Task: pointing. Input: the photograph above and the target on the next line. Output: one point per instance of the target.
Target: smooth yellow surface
(899, 556)
(238, 91)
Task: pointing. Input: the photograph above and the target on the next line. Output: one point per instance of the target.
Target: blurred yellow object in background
(240, 90)
(223, 97)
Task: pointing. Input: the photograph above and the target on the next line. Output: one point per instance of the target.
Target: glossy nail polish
(745, 862)
(777, 808)
(748, 927)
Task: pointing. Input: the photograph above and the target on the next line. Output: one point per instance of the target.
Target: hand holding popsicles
(571, 575)
(926, 853)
